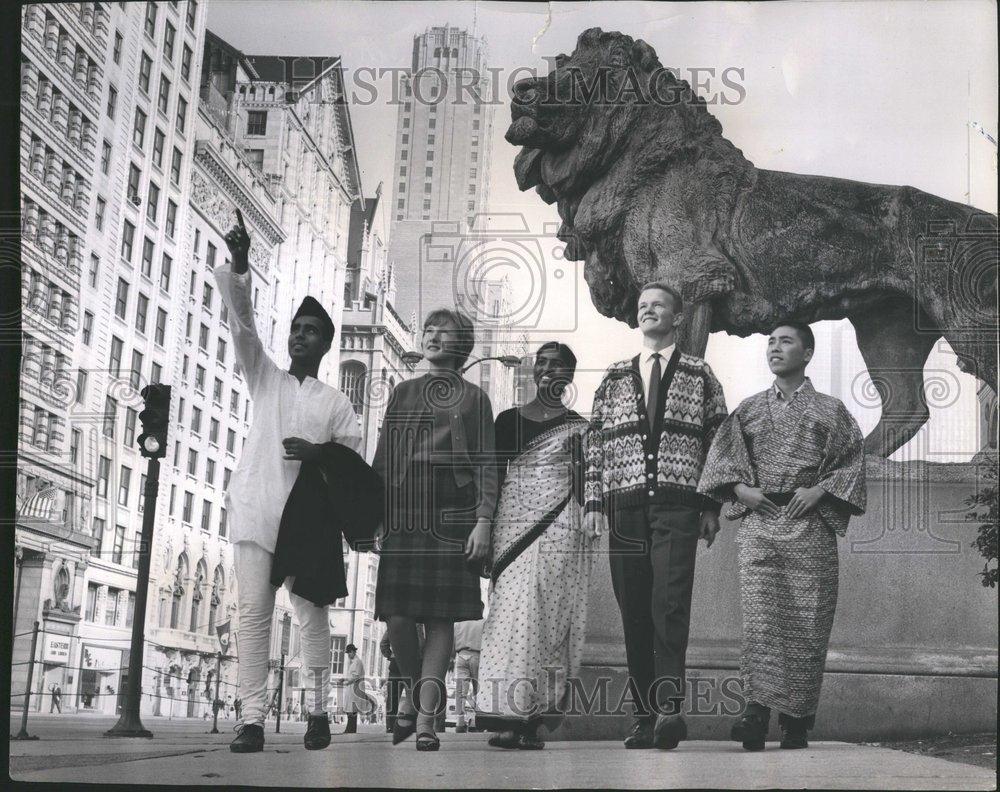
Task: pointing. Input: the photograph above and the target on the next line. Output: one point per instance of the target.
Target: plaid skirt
(422, 571)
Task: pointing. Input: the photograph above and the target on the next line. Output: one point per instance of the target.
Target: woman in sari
(540, 562)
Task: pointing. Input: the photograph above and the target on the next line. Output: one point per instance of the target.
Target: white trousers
(256, 604)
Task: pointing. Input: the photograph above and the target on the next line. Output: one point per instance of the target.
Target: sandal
(428, 741)
(404, 726)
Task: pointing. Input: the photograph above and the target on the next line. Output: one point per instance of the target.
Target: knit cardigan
(627, 464)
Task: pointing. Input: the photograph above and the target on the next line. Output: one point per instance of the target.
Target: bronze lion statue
(648, 189)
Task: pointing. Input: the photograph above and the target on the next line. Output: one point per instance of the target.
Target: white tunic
(282, 408)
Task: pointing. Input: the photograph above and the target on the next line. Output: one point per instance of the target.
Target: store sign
(55, 649)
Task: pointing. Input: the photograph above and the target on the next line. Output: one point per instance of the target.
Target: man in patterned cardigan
(654, 418)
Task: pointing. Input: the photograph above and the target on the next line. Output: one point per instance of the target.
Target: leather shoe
(751, 730)
(317, 733)
(794, 738)
(249, 739)
(641, 734)
(669, 731)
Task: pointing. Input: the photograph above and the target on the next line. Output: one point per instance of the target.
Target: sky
(881, 92)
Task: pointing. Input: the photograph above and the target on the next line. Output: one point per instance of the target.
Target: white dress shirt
(282, 407)
(646, 365)
(780, 397)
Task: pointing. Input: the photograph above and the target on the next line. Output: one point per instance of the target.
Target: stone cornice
(233, 187)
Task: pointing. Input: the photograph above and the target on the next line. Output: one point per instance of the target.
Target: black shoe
(249, 739)
(529, 742)
(669, 731)
(794, 738)
(641, 734)
(317, 733)
(751, 730)
(507, 739)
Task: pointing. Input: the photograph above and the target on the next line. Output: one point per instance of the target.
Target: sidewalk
(74, 750)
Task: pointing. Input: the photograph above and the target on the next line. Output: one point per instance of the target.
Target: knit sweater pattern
(626, 466)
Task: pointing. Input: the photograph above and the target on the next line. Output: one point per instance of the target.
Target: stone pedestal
(913, 649)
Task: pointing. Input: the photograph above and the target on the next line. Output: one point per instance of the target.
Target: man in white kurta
(284, 407)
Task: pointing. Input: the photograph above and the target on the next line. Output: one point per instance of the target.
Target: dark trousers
(653, 551)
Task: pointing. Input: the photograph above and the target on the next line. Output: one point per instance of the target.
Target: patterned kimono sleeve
(728, 463)
(594, 453)
(842, 473)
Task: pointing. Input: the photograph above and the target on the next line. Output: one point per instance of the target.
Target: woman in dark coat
(435, 455)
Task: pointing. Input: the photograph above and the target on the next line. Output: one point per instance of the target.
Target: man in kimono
(791, 461)
(293, 414)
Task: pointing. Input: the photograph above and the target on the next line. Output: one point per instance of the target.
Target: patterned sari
(534, 634)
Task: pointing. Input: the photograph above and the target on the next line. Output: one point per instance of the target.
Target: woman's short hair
(562, 350)
(465, 330)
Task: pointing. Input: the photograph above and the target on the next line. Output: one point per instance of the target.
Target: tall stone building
(444, 128)
(108, 101)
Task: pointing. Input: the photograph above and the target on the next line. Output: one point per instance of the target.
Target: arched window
(196, 595)
(61, 587)
(178, 593)
(218, 586)
(352, 383)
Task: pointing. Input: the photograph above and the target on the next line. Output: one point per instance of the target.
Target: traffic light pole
(130, 725)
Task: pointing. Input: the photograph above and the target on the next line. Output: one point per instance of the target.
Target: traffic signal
(155, 420)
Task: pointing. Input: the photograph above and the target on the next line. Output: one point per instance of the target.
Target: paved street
(73, 749)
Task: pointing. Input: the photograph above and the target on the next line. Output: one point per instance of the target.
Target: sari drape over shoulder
(540, 567)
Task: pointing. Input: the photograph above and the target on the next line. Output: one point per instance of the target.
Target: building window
(128, 237)
(165, 266)
(134, 174)
(175, 167)
(210, 256)
(128, 436)
(192, 466)
(203, 337)
(217, 391)
(169, 35)
(158, 138)
(430, 156)
(81, 386)
(103, 475)
(105, 157)
(220, 351)
(141, 309)
(155, 372)
(115, 358)
(337, 645)
(136, 374)
(95, 267)
(188, 507)
(182, 107)
(257, 122)
(352, 384)
(147, 257)
(186, 56)
(171, 223)
(88, 327)
(121, 298)
(110, 416)
(199, 379)
(210, 472)
(163, 100)
(92, 591)
(100, 206)
(145, 70)
(75, 441)
(431, 123)
(230, 441)
(150, 24)
(256, 157)
(429, 172)
(160, 332)
(234, 401)
(124, 484)
(213, 431)
(192, 10)
(206, 515)
(222, 523)
(152, 203)
(139, 128)
(116, 54)
(112, 101)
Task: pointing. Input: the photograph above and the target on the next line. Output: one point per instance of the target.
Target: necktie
(654, 390)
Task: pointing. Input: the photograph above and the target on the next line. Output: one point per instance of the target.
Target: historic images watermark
(367, 85)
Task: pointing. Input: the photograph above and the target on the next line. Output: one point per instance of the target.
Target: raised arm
(234, 286)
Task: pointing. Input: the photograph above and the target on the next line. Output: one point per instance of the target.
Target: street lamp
(510, 361)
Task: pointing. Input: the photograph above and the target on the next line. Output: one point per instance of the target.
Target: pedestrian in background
(435, 455)
(56, 692)
(468, 643)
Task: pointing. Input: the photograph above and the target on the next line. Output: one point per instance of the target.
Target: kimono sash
(543, 484)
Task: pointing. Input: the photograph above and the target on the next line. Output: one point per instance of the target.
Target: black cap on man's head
(310, 307)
